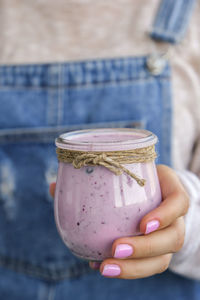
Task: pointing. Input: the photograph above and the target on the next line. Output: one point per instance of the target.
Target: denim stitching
(49, 100)
(148, 77)
(48, 135)
(75, 73)
(172, 20)
(166, 125)
(75, 270)
(53, 72)
(60, 95)
(183, 18)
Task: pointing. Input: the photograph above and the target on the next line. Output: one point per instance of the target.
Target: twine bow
(111, 160)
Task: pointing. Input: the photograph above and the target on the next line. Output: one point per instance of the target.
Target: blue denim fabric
(172, 20)
(166, 286)
(38, 102)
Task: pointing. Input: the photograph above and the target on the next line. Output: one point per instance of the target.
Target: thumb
(52, 188)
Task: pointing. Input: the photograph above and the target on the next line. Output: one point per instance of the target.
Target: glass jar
(93, 206)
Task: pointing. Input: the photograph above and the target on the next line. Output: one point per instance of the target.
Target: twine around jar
(112, 160)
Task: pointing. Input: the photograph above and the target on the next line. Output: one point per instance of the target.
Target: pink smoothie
(93, 206)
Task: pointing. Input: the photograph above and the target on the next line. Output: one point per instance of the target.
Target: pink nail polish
(111, 270)
(123, 250)
(152, 226)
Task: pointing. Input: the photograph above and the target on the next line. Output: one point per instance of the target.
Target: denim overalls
(37, 103)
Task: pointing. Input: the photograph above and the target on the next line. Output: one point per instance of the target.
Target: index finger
(52, 188)
(175, 202)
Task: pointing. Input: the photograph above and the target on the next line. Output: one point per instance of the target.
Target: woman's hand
(163, 230)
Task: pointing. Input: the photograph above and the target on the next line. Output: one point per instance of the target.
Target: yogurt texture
(93, 206)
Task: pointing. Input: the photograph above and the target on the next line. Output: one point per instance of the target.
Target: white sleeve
(186, 262)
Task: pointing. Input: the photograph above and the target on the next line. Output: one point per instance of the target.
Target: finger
(169, 181)
(52, 188)
(168, 240)
(135, 268)
(175, 202)
(94, 265)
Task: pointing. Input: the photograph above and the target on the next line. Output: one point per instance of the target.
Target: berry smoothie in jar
(107, 181)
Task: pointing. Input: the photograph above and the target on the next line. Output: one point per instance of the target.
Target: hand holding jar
(101, 216)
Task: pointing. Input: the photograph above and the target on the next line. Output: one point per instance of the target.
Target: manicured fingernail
(111, 270)
(95, 264)
(123, 250)
(152, 226)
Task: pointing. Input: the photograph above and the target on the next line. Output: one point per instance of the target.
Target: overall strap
(172, 19)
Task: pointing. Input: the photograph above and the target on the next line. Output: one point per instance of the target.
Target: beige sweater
(52, 31)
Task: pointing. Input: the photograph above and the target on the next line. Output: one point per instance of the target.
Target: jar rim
(70, 140)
